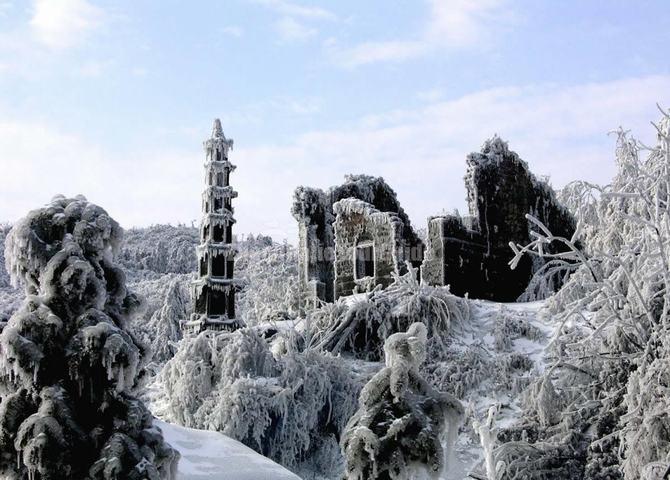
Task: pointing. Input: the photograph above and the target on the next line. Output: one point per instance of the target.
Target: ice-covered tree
(270, 274)
(68, 362)
(401, 418)
(290, 407)
(601, 410)
(164, 327)
(159, 249)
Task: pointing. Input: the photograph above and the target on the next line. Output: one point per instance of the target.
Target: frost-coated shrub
(400, 419)
(361, 326)
(4, 276)
(270, 274)
(10, 297)
(67, 359)
(609, 357)
(159, 249)
(285, 408)
(163, 330)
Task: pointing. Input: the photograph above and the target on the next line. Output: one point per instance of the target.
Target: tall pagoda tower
(214, 289)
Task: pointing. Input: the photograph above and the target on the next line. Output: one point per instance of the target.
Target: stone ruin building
(471, 254)
(214, 289)
(353, 237)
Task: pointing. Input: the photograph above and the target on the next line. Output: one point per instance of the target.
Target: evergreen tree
(68, 362)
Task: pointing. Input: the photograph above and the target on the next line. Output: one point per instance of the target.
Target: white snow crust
(214, 456)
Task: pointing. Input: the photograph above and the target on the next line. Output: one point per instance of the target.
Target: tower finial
(217, 130)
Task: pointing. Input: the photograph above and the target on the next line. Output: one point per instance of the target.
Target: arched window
(219, 179)
(218, 155)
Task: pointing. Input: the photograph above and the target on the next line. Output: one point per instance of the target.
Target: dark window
(203, 265)
(205, 233)
(231, 305)
(229, 268)
(229, 234)
(211, 178)
(218, 156)
(219, 179)
(227, 203)
(227, 177)
(365, 261)
(218, 266)
(217, 302)
(218, 233)
(217, 204)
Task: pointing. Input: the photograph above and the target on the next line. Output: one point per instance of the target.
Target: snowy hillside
(213, 456)
(496, 355)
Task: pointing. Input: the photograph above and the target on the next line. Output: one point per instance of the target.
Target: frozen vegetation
(409, 381)
(69, 362)
(400, 418)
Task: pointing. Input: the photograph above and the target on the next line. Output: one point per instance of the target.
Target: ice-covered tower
(214, 290)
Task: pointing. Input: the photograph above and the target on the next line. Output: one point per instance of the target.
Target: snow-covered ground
(480, 336)
(484, 357)
(214, 456)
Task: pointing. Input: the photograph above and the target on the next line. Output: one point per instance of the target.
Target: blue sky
(113, 99)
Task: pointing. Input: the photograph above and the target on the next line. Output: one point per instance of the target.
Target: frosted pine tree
(67, 360)
(401, 418)
(164, 325)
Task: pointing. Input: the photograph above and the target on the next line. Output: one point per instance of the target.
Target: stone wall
(313, 209)
(472, 253)
(359, 223)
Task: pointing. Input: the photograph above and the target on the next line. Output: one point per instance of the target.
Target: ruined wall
(472, 254)
(357, 223)
(456, 256)
(316, 244)
(313, 209)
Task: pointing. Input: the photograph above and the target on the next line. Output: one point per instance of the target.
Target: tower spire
(217, 130)
(215, 287)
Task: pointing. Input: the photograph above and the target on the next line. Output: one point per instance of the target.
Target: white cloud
(421, 152)
(296, 22)
(233, 31)
(290, 30)
(139, 72)
(295, 10)
(560, 131)
(453, 24)
(39, 161)
(5, 7)
(61, 24)
(94, 69)
(462, 23)
(432, 95)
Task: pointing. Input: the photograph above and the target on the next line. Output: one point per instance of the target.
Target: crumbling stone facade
(313, 209)
(369, 247)
(471, 254)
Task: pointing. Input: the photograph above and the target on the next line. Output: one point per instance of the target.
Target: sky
(113, 99)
